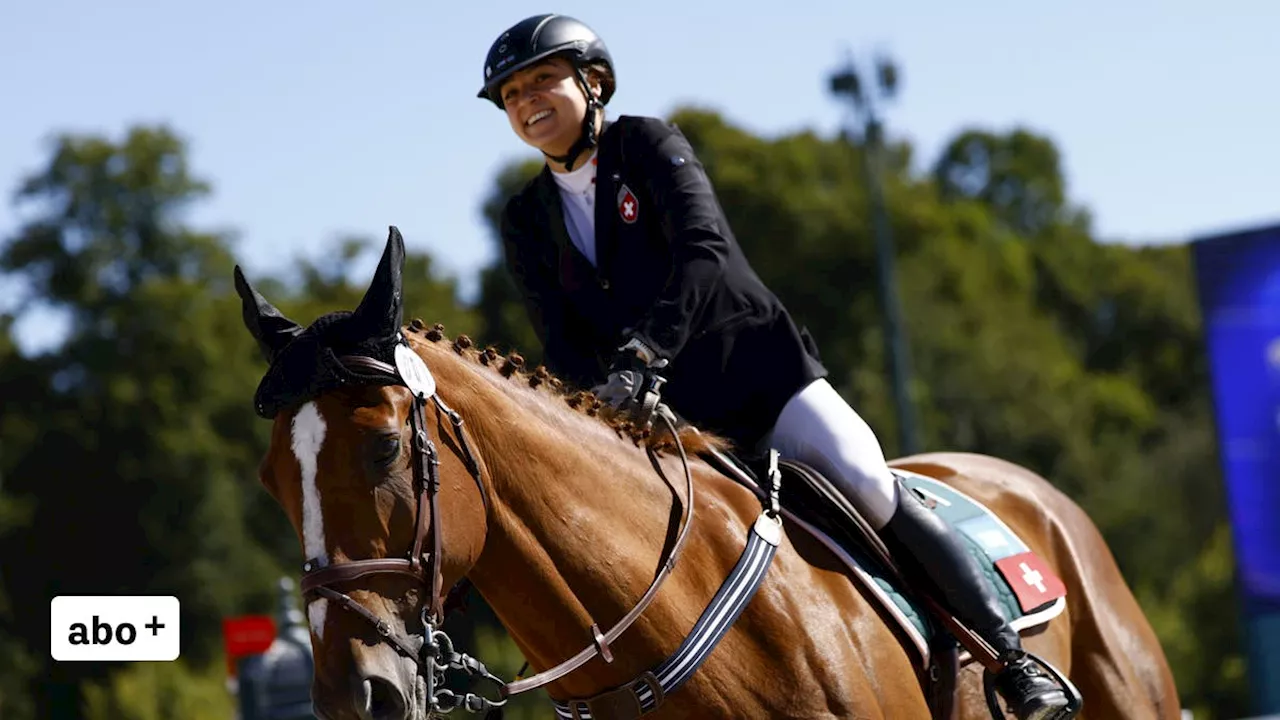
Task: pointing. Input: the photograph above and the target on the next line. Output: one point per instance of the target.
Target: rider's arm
(691, 218)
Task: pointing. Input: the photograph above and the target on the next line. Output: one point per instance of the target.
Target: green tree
(1018, 175)
(133, 445)
(323, 285)
(160, 691)
(136, 469)
(16, 658)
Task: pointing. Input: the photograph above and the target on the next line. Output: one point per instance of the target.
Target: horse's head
(354, 464)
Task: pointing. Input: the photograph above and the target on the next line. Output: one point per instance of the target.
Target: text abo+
(114, 627)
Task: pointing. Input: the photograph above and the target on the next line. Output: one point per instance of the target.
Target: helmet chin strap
(587, 138)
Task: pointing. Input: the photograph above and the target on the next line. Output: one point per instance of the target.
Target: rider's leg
(817, 427)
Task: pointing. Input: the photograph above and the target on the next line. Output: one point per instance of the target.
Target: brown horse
(562, 519)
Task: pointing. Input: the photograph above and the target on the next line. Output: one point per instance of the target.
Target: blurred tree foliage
(129, 452)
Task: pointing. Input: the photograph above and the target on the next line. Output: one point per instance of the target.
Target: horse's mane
(512, 366)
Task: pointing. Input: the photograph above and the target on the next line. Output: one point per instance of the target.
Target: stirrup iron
(1074, 699)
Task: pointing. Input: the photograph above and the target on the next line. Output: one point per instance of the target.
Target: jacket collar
(548, 193)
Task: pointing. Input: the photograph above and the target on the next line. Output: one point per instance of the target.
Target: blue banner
(1238, 279)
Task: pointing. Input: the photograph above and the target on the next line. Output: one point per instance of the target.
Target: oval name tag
(414, 372)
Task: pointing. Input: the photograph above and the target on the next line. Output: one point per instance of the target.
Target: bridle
(435, 655)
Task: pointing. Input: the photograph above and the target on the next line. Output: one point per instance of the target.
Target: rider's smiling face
(545, 105)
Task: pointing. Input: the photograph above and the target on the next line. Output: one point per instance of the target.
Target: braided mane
(512, 366)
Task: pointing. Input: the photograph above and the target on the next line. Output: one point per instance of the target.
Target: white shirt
(578, 193)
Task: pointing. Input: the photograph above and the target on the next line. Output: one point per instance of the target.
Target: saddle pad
(1029, 593)
(1024, 582)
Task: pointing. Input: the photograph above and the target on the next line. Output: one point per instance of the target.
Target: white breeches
(818, 428)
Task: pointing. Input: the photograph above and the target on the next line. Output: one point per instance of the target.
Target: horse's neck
(577, 532)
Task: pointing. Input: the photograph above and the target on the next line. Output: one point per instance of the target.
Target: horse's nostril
(381, 700)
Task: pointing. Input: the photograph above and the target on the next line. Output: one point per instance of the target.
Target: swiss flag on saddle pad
(628, 206)
(1031, 579)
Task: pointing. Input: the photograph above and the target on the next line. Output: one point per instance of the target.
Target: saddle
(1030, 594)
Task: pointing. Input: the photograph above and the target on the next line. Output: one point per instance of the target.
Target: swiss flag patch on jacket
(628, 206)
(1031, 579)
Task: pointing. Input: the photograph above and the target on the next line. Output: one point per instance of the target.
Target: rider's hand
(621, 388)
(626, 374)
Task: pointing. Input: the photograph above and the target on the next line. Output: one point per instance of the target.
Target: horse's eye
(386, 449)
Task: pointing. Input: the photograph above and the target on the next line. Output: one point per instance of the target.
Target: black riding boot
(932, 553)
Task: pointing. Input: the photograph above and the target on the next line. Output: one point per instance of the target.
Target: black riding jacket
(670, 273)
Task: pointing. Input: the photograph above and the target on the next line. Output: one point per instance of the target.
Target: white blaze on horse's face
(308, 437)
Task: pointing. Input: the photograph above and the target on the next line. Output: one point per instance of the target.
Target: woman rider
(627, 263)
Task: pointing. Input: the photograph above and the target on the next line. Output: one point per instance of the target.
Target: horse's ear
(381, 312)
(268, 325)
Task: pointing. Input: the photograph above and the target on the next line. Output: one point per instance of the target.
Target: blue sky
(318, 119)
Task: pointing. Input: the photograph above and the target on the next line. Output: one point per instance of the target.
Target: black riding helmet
(539, 38)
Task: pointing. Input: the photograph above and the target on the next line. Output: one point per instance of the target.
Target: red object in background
(246, 635)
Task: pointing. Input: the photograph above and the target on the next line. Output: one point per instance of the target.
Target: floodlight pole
(847, 84)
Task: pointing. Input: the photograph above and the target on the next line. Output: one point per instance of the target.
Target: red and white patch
(1031, 579)
(628, 206)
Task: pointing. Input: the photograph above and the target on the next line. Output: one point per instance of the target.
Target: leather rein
(435, 654)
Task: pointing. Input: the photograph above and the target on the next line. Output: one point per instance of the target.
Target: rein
(435, 655)
(601, 642)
